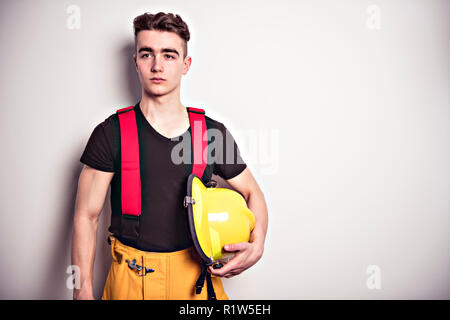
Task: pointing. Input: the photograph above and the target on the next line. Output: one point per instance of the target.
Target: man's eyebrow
(163, 50)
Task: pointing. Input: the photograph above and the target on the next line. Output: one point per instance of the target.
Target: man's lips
(156, 80)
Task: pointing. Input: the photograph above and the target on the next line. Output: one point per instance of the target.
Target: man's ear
(135, 63)
(187, 64)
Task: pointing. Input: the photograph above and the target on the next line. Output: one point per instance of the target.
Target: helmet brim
(192, 180)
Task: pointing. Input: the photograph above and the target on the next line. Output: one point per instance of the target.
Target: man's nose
(157, 64)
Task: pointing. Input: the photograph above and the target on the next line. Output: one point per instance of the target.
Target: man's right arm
(92, 189)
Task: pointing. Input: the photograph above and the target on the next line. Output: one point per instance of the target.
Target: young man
(160, 262)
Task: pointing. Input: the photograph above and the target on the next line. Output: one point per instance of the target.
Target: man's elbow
(253, 193)
(84, 216)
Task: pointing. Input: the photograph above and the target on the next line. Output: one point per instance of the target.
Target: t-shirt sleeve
(230, 163)
(98, 153)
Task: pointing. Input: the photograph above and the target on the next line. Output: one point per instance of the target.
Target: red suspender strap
(131, 177)
(130, 168)
(199, 144)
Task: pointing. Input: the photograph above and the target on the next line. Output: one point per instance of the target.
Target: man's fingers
(235, 262)
(225, 269)
(232, 274)
(236, 246)
(222, 271)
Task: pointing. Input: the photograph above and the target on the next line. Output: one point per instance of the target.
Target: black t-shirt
(163, 221)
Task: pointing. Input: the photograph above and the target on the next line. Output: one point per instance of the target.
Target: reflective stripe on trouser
(169, 275)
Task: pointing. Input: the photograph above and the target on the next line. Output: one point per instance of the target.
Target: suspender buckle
(188, 200)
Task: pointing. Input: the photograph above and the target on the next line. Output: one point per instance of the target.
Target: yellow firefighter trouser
(172, 277)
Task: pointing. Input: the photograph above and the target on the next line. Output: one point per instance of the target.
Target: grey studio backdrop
(340, 108)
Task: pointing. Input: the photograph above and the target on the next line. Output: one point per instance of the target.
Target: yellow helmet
(217, 216)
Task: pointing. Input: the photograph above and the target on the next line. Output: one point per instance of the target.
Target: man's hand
(247, 254)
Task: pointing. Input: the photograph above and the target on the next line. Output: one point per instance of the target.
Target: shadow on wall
(55, 280)
(130, 76)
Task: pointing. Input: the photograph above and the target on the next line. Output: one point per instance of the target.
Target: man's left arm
(247, 253)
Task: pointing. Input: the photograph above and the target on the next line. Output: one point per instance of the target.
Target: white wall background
(355, 172)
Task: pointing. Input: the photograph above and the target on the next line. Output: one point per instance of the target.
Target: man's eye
(147, 55)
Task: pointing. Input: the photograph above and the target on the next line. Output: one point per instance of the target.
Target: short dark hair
(162, 22)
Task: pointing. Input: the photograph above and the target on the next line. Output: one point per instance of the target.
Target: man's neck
(163, 109)
(166, 114)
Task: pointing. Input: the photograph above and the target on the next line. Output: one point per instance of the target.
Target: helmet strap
(209, 285)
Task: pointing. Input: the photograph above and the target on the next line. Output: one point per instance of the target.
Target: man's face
(160, 55)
